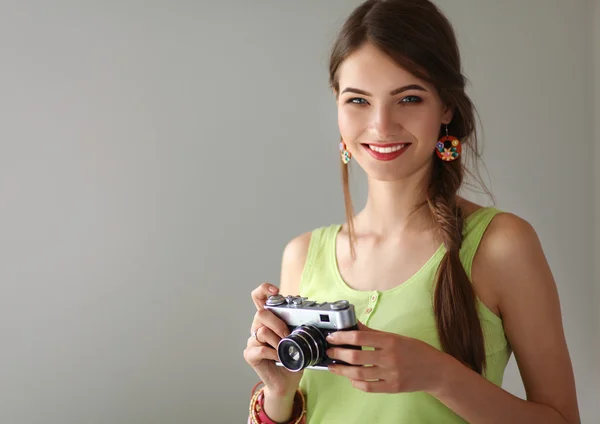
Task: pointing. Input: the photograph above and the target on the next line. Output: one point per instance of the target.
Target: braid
(455, 303)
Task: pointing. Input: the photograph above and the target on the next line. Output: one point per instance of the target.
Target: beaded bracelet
(257, 412)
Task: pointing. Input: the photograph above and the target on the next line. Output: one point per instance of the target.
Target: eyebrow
(392, 93)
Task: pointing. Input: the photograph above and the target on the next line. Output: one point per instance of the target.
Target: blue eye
(361, 101)
(357, 101)
(411, 99)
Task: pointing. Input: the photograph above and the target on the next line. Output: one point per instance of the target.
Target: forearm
(279, 407)
(479, 401)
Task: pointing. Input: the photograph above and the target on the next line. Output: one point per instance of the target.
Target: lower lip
(386, 156)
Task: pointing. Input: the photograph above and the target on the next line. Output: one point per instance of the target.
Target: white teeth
(387, 149)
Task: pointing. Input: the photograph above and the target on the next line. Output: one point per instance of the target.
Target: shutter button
(340, 304)
(275, 300)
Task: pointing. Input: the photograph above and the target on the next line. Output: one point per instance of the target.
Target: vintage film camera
(310, 322)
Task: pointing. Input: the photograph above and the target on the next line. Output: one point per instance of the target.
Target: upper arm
(292, 264)
(510, 260)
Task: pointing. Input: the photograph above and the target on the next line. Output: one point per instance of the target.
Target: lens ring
(318, 340)
(311, 343)
(320, 343)
(314, 358)
(298, 333)
(284, 357)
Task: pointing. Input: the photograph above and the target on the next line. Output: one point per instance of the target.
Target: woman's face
(388, 118)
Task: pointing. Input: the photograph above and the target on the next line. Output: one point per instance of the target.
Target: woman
(445, 290)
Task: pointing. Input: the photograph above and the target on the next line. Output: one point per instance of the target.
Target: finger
(254, 355)
(354, 356)
(253, 341)
(261, 294)
(267, 336)
(264, 317)
(363, 327)
(357, 373)
(380, 386)
(356, 338)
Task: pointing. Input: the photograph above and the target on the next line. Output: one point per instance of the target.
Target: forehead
(371, 69)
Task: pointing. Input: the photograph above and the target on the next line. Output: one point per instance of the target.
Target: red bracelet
(257, 411)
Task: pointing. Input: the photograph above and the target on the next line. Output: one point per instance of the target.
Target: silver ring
(254, 335)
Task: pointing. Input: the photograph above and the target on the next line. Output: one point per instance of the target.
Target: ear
(448, 115)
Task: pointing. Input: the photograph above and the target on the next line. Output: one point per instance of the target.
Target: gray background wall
(157, 156)
(596, 124)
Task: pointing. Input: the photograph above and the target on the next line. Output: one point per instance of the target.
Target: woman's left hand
(398, 364)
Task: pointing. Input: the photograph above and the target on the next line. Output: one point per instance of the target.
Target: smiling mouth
(386, 152)
(389, 148)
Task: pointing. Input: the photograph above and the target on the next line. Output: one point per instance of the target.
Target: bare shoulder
(509, 253)
(510, 261)
(292, 263)
(509, 237)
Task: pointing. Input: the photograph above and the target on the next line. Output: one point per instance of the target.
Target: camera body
(310, 322)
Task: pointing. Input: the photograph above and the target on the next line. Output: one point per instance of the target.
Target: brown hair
(420, 39)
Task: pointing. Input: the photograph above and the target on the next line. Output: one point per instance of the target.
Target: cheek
(351, 123)
(424, 125)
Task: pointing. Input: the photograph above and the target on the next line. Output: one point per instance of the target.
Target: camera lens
(294, 353)
(301, 349)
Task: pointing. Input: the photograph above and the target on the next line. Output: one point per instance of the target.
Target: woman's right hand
(261, 352)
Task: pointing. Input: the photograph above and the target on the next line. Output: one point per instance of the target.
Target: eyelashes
(405, 100)
(414, 99)
(356, 101)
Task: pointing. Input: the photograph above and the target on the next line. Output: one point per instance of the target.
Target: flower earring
(448, 148)
(346, 155)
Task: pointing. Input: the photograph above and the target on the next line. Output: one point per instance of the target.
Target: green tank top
(407, 310)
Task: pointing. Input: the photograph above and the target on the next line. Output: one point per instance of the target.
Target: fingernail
(330, 337)
(273, 289)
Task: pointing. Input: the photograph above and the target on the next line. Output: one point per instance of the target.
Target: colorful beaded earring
(346, 155)
(448, 148)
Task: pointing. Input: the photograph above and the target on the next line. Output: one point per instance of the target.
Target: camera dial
(275, 300)
(340, 304)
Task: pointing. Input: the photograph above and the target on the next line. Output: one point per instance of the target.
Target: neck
(391, 206)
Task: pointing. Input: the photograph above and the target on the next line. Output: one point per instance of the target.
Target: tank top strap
(318, 258)
(473, 230)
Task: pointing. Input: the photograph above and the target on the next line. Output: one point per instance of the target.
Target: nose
(384, 124)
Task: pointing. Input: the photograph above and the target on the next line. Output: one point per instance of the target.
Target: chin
(392, 175)
(387, 173)
(388, 178)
